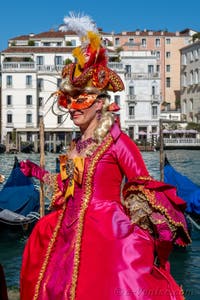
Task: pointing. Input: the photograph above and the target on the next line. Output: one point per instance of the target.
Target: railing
(24, 66)
(156, 98)
(182, 141)
(131, 98)
(7, 66)
(142, 76)
(49, 68)
(116, 66)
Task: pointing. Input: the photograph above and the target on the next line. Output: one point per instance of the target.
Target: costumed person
(103, 240)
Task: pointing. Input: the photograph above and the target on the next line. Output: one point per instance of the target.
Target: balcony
(142, 76)
(156, 99)
(49, 68)
(30, 66)
(18, 66)
(116, 66)
(131, 99)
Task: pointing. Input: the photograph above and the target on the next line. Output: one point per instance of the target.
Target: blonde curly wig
(106, 121)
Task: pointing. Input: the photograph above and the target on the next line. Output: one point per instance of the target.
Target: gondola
(2, 148)
(19, 200)
(187, 190)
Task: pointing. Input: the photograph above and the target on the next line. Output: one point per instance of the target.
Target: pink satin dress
(88, 248)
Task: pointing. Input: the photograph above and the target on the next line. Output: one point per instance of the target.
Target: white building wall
(50, 74)
(143, 100)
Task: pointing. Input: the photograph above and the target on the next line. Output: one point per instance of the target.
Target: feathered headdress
(79, 23)
(90, 72)
(91, 50)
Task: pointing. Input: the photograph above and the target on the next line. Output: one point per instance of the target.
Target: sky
(24, 17)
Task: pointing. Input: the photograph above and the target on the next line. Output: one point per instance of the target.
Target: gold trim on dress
(86, 199)
(48, 252)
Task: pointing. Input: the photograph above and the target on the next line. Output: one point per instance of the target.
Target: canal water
(185, 263)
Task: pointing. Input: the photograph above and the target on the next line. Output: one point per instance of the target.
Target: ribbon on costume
(71, 169)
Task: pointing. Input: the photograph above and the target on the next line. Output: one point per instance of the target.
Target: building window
(131, 41)
(144, 43)
(131, 111)
(128, 69)
(8, 80)
(184, 106)
(196, 54)
(40, 101)
(29, 100)
(40, 84)
(184, 59)
(9, 100)
(168, 54)
(29, 137)
(158, 54)
(9, 118)
(184, 79)
(168, 41)
(59, 80)
(117, 99)
(158, 68)
(154, 88)
(117, 42)
(73, 43)
(191, 56)
(131, 90)
(28, 80)
(191, 105)
(40, 60)
(46, 44)
(154, 111)
(196, 76)
(168, 68)
(191, 77)
(168, 82)
(58, 60)
(150, 69)
(29, 118)
(59, 119)
(157, 42)
(131, 132)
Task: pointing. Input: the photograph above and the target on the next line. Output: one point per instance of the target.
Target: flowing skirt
(116, 259)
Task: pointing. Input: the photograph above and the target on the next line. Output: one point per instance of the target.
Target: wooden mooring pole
(42, 165)
(161, 151)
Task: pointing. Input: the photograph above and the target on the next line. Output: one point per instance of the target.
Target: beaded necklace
(81, 145)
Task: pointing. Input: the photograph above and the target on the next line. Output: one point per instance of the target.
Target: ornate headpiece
(89, 76)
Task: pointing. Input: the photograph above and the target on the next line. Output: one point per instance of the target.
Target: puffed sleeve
(130, 158)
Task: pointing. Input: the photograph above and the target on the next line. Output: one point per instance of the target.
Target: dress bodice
(107, 179)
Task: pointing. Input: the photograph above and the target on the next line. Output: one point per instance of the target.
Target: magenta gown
(89, 248)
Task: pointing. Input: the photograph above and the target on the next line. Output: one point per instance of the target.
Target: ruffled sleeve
(155, 205)
(150, 204)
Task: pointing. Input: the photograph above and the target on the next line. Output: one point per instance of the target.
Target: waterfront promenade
(182, 143)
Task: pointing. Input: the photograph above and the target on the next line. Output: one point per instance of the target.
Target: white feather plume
(79, 23)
